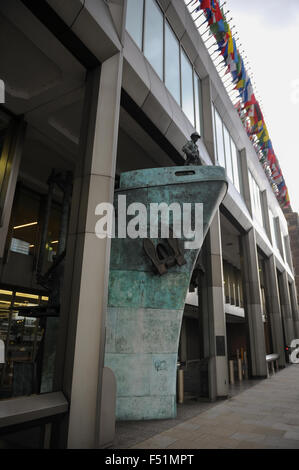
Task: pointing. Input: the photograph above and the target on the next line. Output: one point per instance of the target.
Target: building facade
(293, 225)
(94, 89)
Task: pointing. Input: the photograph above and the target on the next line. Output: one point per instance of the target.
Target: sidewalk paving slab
(264, 416)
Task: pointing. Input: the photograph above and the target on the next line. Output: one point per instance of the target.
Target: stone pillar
(253, 305)
(286, 308)
(208, 132)
(272, 293)
(87, 260)
(218, 366)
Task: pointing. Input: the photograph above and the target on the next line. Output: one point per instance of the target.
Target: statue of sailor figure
(190, 149)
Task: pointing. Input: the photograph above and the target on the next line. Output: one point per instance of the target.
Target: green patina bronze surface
(144, 309)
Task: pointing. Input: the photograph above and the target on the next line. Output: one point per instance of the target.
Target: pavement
(264, 415)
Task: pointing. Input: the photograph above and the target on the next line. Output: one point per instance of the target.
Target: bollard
(231, 372)
(2, 352)
(180, 386)
(245, 366)
(240, 375)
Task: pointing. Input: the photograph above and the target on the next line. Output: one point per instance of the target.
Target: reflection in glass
(219, 139)
(187, 88)
(134, 20)
(153, 36)
(272, 229)
(256, 199)
(172, 63)
(22, 337)
(198, 106)
(25, 216)
(214, 130)
(228, 158)
(235, 161)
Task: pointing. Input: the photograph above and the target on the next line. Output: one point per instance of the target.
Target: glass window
(22, 336)
(187, 88)
(258, 204)
(6, 159)
(25, 219)
(278, 235)
(235, 162)
(219, 139)
(153, 36)
(272, 228)
(255, 195)
(214, 130)
(134, 20)
(287, 250)
(228, 157)
(226, 282)
(225, 149)
(198, 105)
(53, 232)
(172, 63)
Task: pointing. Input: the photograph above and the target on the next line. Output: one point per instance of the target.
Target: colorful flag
(248, 107)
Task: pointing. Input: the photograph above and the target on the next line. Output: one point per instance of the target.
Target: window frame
(163, 77)
(145, 4)
(192, 72)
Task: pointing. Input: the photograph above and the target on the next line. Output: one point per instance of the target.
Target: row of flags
(247, 107)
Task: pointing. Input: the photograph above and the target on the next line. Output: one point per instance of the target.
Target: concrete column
(272, 293)
(253, 305)
(245, 179)
(294, 302)
(286, 308)
(87, 260)
(208, 132)
(218, 366)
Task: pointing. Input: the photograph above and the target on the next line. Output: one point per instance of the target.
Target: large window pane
(172, 63)
(25, 218)
(260, 210)
(287, 250)
(235, 161)
(219, 139)
(22, 337)
(153, 36)
(214, 130)
(228, 157)
(277, 234)
(273, 234)
(134, 20)
(198, 106)
(187, 88)
(255, 194)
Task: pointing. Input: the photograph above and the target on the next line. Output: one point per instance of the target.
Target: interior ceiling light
(6, 292)
(25, 225)
(29, 296)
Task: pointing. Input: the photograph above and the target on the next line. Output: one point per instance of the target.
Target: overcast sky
(269, 33)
